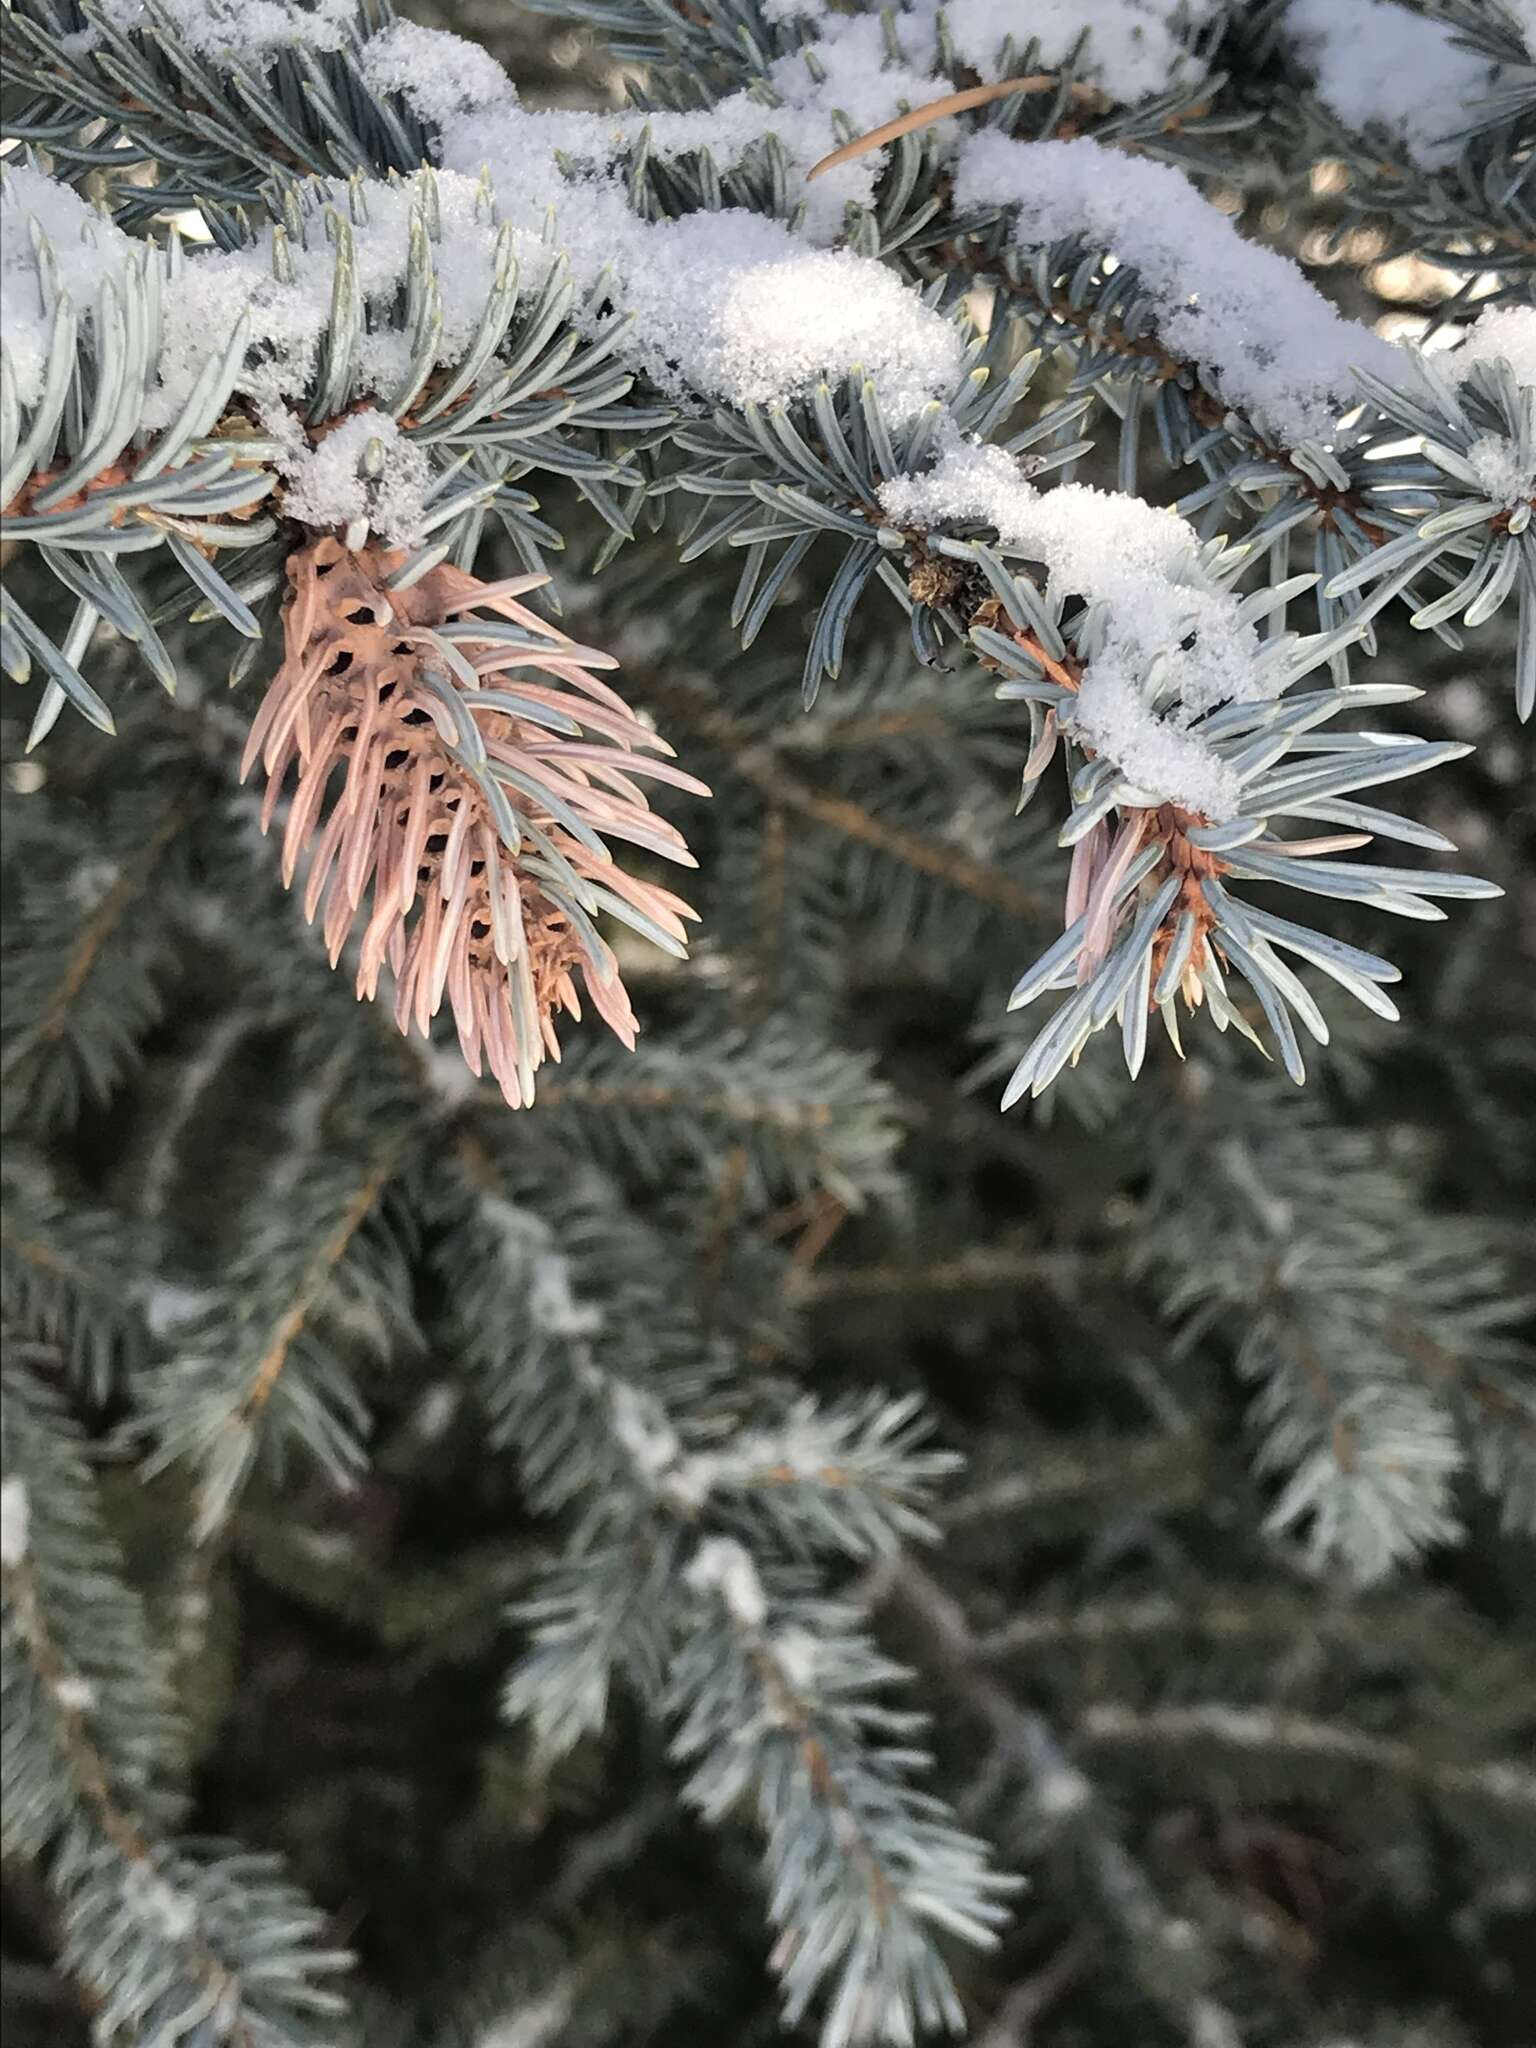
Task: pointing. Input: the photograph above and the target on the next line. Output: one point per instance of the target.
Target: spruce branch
(159, 1934)
(209, 108)
(1165, 1950)
(670, 1492)
(1299, 1739)
(71, 1276)
(807, 1116)
(775, 1702)
(1064, 1485)
(1363, 1334)
(82, 992)
(261, 1366)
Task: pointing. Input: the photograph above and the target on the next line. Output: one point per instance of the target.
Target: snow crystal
(1273, 345)
(1506, 333)
(441, 76)
(243, 28)
(15, 1521)
(722, 1566)
(1376, 64)
(1500, 470)
(1143, 564)
(85, 246)
(364, 471)
(75, 1695)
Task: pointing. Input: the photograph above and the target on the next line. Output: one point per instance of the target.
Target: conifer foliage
(877, 1453)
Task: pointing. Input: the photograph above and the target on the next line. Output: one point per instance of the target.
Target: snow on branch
(83, 249)
(726, 305)
(1273, 345)
(245, 28)
(1165, 607)
(1371, 63)
(1130, 49)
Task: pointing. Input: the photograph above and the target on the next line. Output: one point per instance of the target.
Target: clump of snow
(1504, 333)
(553, 1304)
(15, 1521)
(246, 28)
(1378, 65)
(168, 1307)
(848, 71)
(440, 76)
(648, 1439)
(447, 1079)
(1504, 475)
(721, 1566)
(214, 291)
(85, 246)
(1063, 1791)
(159, 1904)
(798, 1655)
(363, 472)
(1114, 718)
(92, 880)
(1143, 564)
(435, 1411)
(75, 1695)
(1272, 345)
(730, 304)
